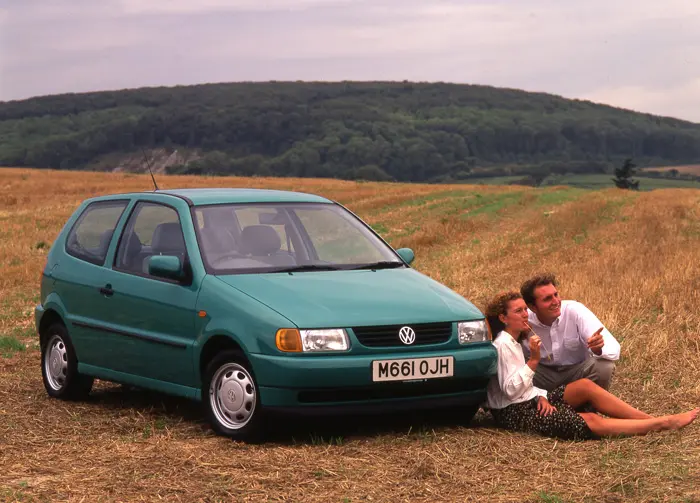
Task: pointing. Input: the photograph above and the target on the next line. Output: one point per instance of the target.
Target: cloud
(187, 6)
(577, 49)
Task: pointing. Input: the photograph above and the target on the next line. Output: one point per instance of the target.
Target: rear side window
(90, 236)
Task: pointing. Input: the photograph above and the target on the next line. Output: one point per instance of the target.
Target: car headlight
(327, 339)
(331, 339)
(473, 331)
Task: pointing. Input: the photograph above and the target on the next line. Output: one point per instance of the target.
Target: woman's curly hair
(497, 306)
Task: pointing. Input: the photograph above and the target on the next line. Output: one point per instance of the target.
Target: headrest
(168, 238)
(260, 240)
(216, 240)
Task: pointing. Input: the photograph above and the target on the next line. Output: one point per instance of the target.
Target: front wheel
(59, 366)
(231, 398)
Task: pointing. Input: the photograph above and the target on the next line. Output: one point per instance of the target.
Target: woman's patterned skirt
(565, 423)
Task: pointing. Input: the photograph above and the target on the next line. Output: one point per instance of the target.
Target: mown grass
(628, 256)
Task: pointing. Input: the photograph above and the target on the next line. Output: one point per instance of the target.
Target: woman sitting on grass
(516, 404)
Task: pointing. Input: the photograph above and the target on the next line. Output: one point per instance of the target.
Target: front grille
(384, 391)
(388, 335)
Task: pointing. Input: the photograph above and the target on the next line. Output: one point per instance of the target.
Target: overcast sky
(638, 54)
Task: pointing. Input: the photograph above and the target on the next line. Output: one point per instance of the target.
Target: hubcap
(232, 396)
(56, 363)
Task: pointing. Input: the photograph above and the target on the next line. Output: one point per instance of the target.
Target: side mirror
(166, 266)
(406, 254)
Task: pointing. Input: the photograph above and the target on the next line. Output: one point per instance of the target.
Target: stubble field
(633, 258)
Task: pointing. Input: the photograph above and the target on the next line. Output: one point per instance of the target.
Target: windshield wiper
(386, 264)
(309, 267)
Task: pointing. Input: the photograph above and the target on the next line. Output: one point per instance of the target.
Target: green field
(591, 182)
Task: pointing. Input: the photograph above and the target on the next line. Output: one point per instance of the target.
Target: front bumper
(332, 381)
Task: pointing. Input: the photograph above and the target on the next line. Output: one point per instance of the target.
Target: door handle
(107, 290)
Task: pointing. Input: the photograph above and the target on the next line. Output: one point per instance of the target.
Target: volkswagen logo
(407, 335)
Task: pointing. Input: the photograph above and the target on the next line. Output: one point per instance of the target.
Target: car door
(80, 273)
(151, 318)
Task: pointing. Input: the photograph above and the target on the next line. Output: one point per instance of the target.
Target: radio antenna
(148, 164)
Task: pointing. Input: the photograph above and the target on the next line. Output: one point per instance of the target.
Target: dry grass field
(633, 258)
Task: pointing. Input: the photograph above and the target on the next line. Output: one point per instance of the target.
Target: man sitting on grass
(575, 344)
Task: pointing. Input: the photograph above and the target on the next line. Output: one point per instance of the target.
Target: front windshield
(240, 238)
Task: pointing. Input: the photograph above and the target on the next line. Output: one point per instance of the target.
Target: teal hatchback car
(252, 301)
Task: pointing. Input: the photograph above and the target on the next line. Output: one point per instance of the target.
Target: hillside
(624, 254)
(375, 130)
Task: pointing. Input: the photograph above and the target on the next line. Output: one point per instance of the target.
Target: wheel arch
(49, 317)
(215, 345)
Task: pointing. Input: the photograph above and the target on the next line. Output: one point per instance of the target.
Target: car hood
(326, 299)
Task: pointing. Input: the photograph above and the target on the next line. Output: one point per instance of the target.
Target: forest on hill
(400, 131)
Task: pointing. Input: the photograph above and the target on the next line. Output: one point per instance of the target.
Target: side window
(152, 229)
(90, 236)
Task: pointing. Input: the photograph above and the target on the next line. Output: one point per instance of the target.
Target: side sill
(141, 382)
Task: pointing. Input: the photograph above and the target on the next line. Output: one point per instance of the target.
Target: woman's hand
(544, 408)
(535, 343)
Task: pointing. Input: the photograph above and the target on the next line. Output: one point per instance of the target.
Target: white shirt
(513, 384)
(565, 342)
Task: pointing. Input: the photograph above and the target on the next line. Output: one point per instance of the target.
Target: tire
(59, 366)
(231, 397)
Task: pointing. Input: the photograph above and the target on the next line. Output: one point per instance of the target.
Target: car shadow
(121, 397)
(335, 430)
(290, 429)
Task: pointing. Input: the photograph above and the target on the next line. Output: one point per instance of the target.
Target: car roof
(223, 195)
(202, 197)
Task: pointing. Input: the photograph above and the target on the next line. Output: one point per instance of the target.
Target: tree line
(354, 130)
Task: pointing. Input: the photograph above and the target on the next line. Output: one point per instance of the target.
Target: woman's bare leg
(585, 391)
(609, 427)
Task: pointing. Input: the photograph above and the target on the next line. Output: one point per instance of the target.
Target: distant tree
(624, 174)
(371, 172)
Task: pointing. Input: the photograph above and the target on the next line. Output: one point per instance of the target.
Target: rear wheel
(231, 398)
(59, 366)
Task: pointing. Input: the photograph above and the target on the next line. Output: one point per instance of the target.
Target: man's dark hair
(527, 290)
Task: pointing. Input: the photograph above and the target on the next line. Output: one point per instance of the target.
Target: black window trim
(77, 222)
(185, 261)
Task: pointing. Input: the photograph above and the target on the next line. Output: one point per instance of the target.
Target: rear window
(90, 236)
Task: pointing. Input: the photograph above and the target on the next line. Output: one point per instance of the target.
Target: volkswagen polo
(252, 301)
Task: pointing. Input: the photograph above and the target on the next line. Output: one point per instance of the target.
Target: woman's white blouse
(513, 384)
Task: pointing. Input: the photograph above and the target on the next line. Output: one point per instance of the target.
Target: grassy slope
(626, 255)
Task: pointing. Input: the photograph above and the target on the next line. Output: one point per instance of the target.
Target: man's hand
(595, 342)
(544, 408)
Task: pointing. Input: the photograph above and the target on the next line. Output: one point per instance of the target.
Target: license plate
(412, 368)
